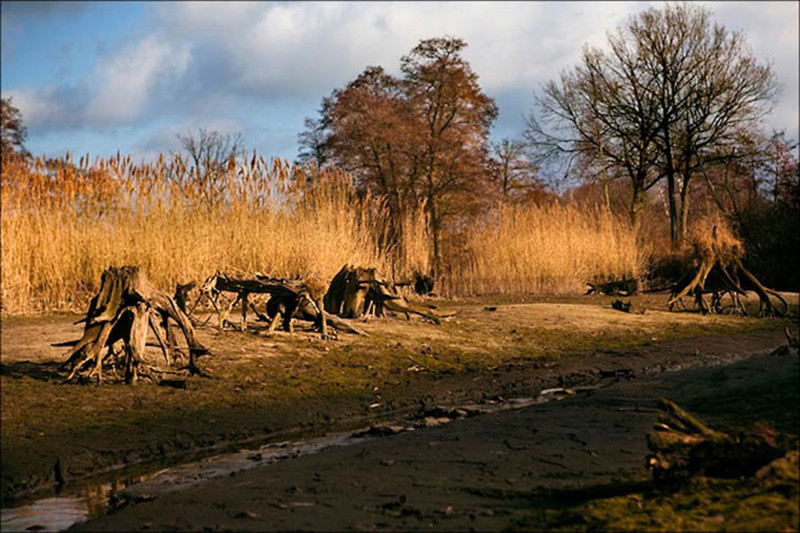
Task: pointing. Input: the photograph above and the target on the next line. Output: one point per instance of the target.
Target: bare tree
(710, 90)
(602, 110)
(782, 168)
(210, 154)
(13, 132)
(210, 150)
(671, 93)
(512, 171)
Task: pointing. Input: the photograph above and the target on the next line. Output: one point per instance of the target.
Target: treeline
(664, 125)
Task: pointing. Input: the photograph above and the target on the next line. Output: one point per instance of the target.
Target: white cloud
(270, 59)
(49, 106)
(127, 79)
(118, 92)
(36, 106)
(314, 47)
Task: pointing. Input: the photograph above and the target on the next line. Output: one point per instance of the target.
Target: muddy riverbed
(96, 439)
(484, 472)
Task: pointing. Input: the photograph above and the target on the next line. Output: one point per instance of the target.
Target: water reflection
(51, 514)
(58, 513)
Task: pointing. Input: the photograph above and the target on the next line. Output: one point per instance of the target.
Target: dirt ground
(530, 468)
(294, 386)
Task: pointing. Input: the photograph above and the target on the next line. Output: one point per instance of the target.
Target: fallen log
(126, 306)
(276, 310)
(288, 299)
(683, 446)
(385, 296)
(623, 287)
(214, 287)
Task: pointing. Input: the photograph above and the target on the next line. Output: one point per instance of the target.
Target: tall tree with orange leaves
(422, 137)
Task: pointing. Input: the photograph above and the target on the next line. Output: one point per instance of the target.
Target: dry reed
(63, 223)
(546, 249)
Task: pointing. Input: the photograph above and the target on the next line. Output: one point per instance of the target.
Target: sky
(100, 77)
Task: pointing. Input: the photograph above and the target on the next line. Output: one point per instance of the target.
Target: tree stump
(126, 306)
(718, 258)
(347, 293)
(357, 291)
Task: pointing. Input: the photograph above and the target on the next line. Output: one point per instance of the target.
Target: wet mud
(466, 470)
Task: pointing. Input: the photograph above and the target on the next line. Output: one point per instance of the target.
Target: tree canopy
(418, 139)
(672, 93)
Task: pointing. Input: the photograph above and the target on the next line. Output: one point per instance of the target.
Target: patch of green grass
(768, 502)
(702, 505)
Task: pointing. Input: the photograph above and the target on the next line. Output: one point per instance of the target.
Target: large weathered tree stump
(356, 292)
(116, 328)
(683, 446)
(719, 271)
(347, 294)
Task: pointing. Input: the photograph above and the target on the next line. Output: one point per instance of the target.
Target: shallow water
(50, 514)
(58, 513)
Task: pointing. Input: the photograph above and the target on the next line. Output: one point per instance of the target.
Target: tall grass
(64, 222)
(545, 249)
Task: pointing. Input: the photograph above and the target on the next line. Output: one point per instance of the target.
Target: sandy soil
(488, 472)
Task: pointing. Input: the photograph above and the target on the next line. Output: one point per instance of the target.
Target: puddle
(50, 514)
(58, 513)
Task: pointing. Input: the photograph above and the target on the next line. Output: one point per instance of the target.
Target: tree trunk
(637, 203)
(683, 222)
(674, 238)
(436, 235)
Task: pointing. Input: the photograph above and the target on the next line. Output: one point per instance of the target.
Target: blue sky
(98, 77)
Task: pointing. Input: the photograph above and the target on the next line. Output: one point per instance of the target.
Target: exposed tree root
(124, 310)
(720, 272)
(726, 282)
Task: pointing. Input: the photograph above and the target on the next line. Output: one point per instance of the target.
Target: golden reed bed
(64, 222)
